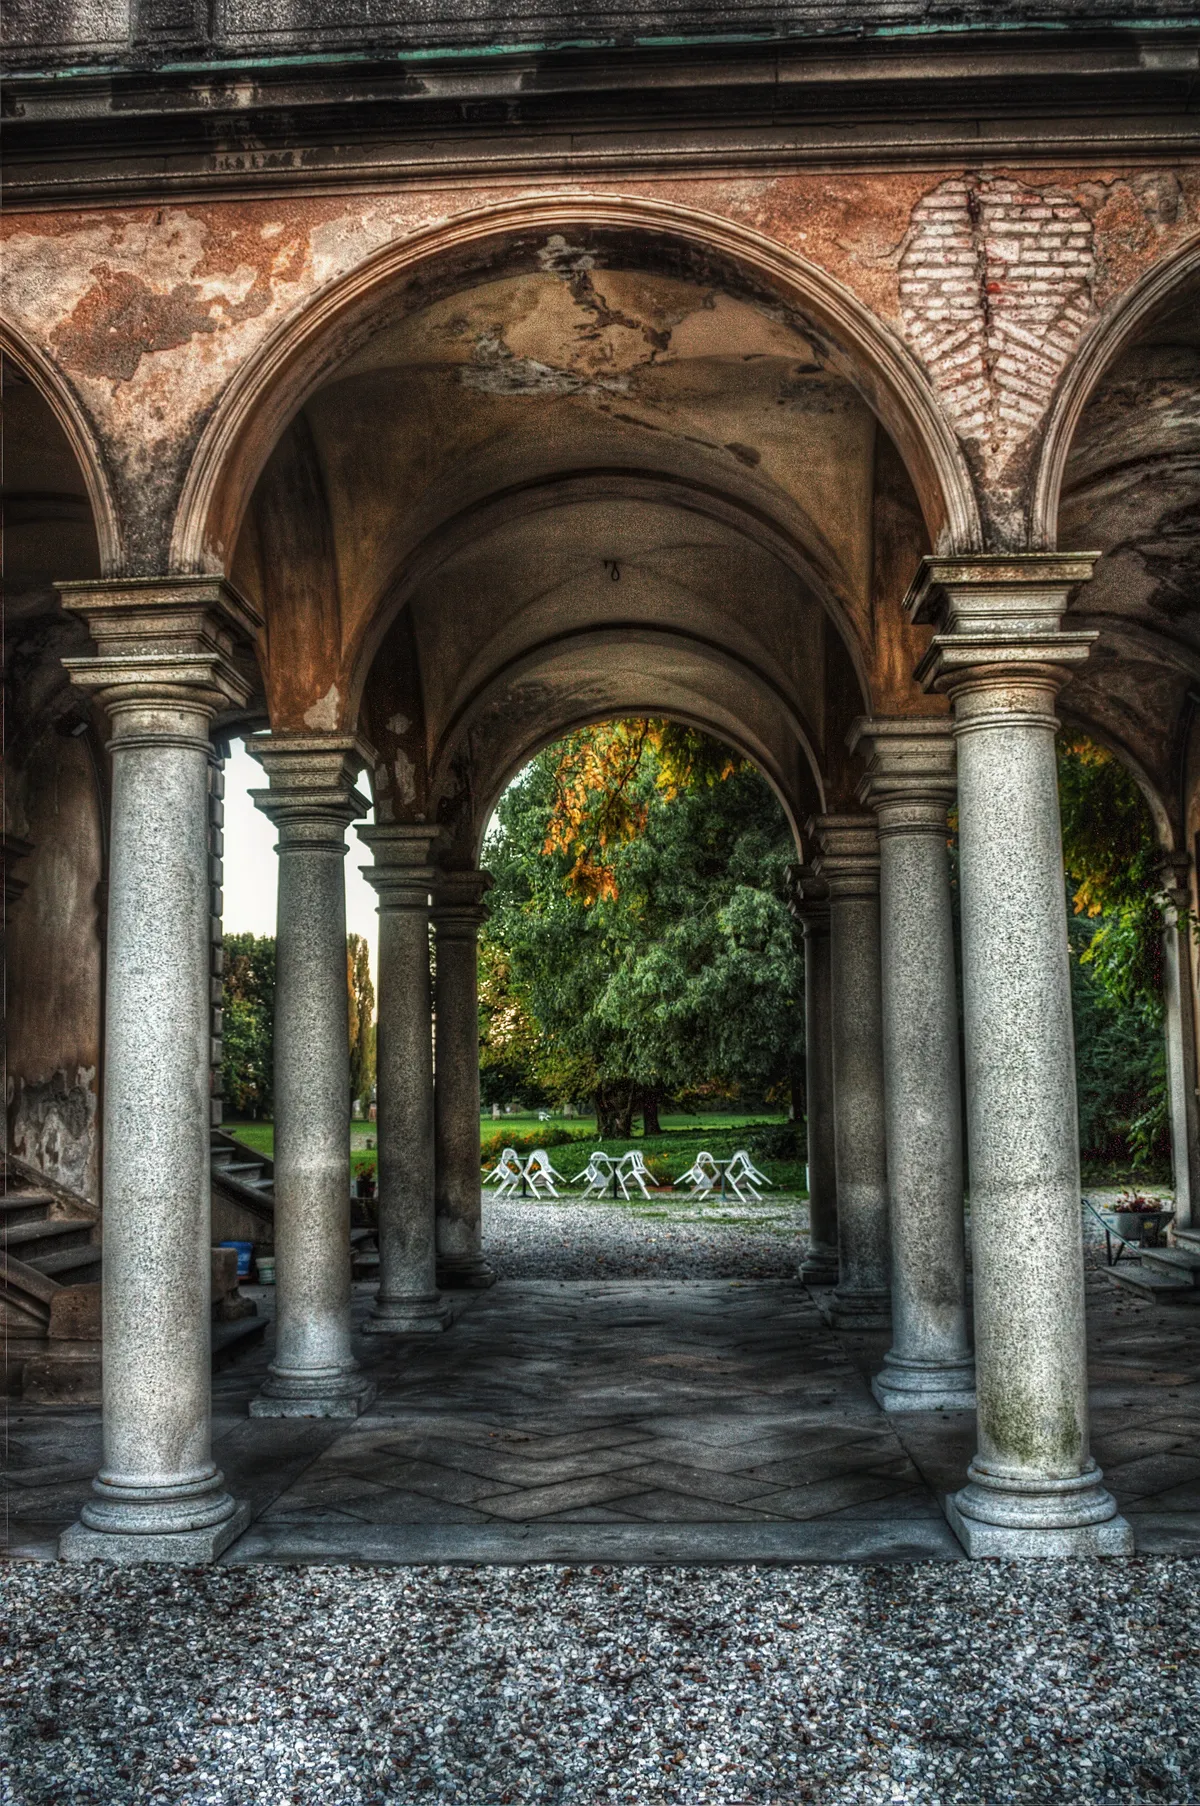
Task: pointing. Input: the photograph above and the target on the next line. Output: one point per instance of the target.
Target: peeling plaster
(52, 1124)
(323, 716)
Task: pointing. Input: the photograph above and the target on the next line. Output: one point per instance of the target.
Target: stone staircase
(1166, 1275)
(50, 1265)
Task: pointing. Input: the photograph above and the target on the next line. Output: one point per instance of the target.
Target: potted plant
(1139, 1217)
(364, 1185)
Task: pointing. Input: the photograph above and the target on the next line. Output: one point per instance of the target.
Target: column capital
(808, 899)
(999, 621)
(403, 873)
(847, 854)
(311, 777)
(458, 906)
(1174, 869)
(910, 776)
(163, 645)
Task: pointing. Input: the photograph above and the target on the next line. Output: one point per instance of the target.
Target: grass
(667, 1155)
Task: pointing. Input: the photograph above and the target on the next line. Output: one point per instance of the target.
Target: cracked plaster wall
(151, 311)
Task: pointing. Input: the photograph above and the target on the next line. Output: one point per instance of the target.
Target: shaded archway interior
(1132, 490)
(575, 492)
(55, 801)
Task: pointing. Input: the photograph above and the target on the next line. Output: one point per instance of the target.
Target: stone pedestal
(164, 665)
(810, 906)
(311, 801)
(1001, 655)
(408, 1301)
(458, 913)
(847, 859)
(910, 784)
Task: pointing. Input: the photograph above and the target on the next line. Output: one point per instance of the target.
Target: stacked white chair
(598, 1172)
(632, 1170)
(702, 1175)
(743, 1176)
(540, 1175)
(507, 1173)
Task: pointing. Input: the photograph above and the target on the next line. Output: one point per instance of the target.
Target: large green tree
(1112, 861)
(248, 1048)
(640, 944)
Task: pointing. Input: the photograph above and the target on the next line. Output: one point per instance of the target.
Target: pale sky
(251, 879)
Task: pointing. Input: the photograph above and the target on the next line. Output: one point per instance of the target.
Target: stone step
(24, 1206)
(1163, 1288)
(1173, 1260)
(69, 1266)
(1188, 1240)
(28, 1241)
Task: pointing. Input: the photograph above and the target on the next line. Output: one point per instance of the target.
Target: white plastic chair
(632, 1170)
(540, 1175)
(702, 1175)
(742, 1173)
(598, 1172)
(507, 1173)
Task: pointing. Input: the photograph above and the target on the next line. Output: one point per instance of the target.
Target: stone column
(164, 666)
(810, 906)
(910, 784)
(847, 858)
(458, 912)
(1001, 655)
(1179, 1028)
(408, 1301)
(311, 801)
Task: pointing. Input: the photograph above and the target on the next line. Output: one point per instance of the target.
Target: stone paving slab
(650, 1416)
(876, 1540)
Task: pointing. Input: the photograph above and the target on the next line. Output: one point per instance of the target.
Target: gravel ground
(974, 1684)
(578, 1240)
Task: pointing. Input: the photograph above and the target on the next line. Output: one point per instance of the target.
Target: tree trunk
(650, 1102)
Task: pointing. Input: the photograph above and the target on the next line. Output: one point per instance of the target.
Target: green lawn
(667, 1155)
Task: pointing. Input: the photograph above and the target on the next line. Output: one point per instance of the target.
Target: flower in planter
(1139, 1203)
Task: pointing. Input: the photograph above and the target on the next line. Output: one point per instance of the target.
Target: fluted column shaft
(162, 670)
(810, 906)
(312, 801)
(910, 784)
(1001, 656)
(408, 1301)
(458, 915)
(847, 858)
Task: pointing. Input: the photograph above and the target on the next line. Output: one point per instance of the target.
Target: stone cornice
(999, 618)
(403, 871)
(808, 899)
(162, 641)
(311, 779)
(846, 855)
(910, 776)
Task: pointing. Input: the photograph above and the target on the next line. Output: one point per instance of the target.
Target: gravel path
(667, 1239)
(975, 1685)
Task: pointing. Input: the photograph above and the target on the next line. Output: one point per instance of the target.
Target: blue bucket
(244, 1252)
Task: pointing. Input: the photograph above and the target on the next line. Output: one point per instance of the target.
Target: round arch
(668, 674)
(306, 348)
(1096, 352)
(743, 744)
(787, 539)
(71, 417)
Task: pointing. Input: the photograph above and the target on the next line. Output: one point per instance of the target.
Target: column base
(925, 1385)
(1014, 1517)
(427, 1316)
(846, 1309)
(292, 1396)
(819, 1267)
(464, 1272)
(185, 1548)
